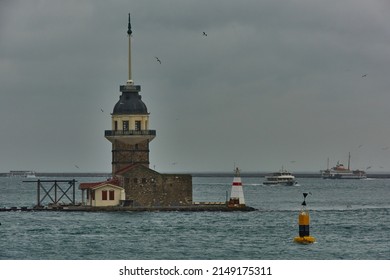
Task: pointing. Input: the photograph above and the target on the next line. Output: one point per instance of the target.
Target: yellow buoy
(304, 225)
(305, 239)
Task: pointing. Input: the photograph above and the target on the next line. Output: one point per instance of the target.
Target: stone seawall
(191, 208)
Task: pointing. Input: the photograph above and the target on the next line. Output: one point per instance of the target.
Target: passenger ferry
(341, 172)
(283, 177)
(22, 173)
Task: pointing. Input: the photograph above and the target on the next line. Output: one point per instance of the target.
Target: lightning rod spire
(129, 32)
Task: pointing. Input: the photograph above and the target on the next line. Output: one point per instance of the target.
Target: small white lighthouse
(237, 199)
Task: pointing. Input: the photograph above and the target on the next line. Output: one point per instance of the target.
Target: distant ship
(282, 177)
(22, 173)
(341, 172)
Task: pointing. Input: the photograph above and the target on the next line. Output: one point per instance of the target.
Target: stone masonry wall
(125, 154)
(147, 188)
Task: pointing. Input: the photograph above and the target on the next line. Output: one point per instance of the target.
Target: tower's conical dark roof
(130, 103)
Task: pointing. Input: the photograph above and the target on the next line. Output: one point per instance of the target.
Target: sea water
(349, 219)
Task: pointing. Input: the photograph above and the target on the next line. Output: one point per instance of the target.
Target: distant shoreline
(263, 174)
(383, 175)
(65, 174)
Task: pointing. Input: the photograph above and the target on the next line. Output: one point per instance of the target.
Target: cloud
(273, 81)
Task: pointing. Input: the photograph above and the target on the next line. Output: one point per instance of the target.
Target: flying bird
(158, 60)
(101, 110)
(204, 33)
(365, 75)
(76, 166)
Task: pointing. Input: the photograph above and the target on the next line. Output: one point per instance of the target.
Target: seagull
(159, 61)
(204, 33)
(101, 109)
(76, 166)
(365, 75)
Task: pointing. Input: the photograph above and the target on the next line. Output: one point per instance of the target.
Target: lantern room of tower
(130, 118)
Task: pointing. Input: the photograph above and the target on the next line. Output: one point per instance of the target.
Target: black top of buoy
(304, 199)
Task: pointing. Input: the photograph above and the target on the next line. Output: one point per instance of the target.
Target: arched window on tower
(138, 125)
(125, 125)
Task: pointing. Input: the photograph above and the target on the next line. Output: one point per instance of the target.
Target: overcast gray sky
(275, 83)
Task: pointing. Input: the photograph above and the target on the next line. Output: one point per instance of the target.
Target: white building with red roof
(106, 193)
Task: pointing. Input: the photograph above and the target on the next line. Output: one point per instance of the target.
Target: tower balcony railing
(109, 133)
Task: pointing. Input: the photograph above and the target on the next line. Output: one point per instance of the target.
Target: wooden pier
(55, 191)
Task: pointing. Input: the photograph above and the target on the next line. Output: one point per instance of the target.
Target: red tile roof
(131, 166)
(126, 168)
(112, 181)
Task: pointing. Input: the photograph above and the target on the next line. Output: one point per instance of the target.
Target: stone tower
(130, 134)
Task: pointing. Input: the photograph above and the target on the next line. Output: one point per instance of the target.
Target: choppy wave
(341, 214)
